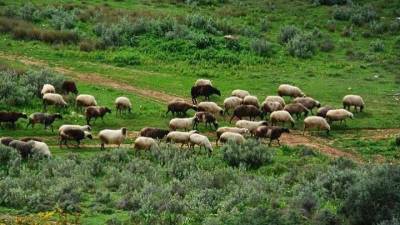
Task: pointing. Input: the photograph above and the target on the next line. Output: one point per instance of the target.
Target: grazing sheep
(250, 125)
(200, 140)
(180, 107)
(40, 148)
(26, 139)
(353, 100)
(68, 126)
(274, 133)
(47, 88)
(206, 91)
(240, 93)
(338, 115)
(115, 137)
(273, 98)
(231, 136)
(85, 101)
(155, 133)
(207, 118)
(238, 130)
(95, 112)
(180, 137)
(210, 107)
(53, 99)
(145, 143)
(177, 99)
(308, 102)
(281, 116)
(323, 110)
(123, 104)
(69, 87)
(202, 82)
(289, 90)
(297, 109)
(75, 134)
(11, 117)
(316, 122)
(6, 140)
(251, 100)
(43, 118)
(24, 148)
(231, 103)
(269, 107)
(246, 111)
(183, 123)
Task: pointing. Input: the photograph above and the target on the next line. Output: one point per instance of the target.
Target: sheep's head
(124, 131)
(285, 130)
(221, 112)
(351, 116)
(23, 115)
(107, 110)
(88, 135)
(57, 116)
(265, 123)
(194, 107)
(217, 92)
(318, 104)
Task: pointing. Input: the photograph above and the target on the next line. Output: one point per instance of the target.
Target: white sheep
(271, 106)
(53, 99)
(289, 90)
(275, 98)
(338, 115)
(202, 82)
(238, 130)
(116, 137)
(240, 93)
(122, 104)
(183, 123)
(180, 137)
(48, 88)
(231, 103)
(281, 116)
(145, 143)
(68, 126)
(353, 100)
(210, 107)
(40, 148)
(250, 125)
(85, 100)
(200, 140)
(231, 136)
(316, 122)
(251, 100)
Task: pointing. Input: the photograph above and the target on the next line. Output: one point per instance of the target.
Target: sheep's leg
(279, 142)
(270, 142)
(102, 146)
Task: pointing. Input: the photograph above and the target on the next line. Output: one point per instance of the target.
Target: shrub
(394, 27)
(8, 155)
(125, 59)
(331, 25)
(347, 31)
(378, 28)
(61, 19)
(264, 25)
(28, 12)
(397, 141)
(86, 46)
(326, 217)
(287, 33)
(362, 15)
(203, 41)
(233, 44)
(377, 46)
(330, 2)
(251, 154)
(394, 221)
(262, 47)
(327, 45)
(203, 23)
(302, 46)
(342, 13)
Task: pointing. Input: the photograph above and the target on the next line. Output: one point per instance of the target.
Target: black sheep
(94, 112)
(24, 148)
(274, 133)
(73, 134)
(246, 111)
(69, 87)
(11, 117)
(43, 118)
(180, 107)
(205, 90)
(155, 133)
(6, 140)
(207, 118)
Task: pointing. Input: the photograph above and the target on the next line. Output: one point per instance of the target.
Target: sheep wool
(281, 116)
(86, 100)
(40, 148)
(316, 122)
(338, 115)
(232, 102)
(251, 100)
(289, 90)
(145, 143)
(180, 137)
(202, 82)
(353, 100)
(54, 99)
(68, 126)
(182, 123)
(48, 88)
(123, 102)
(250, 125)
(210, 107)
(200, 140)
(109, 136)
(230, 136)
(240, 93)
(273, 98)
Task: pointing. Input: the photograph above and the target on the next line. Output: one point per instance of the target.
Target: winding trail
(292, 139)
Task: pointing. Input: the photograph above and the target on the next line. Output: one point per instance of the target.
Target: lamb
(238, 130)
(53, 99)
(289, 90)
(323, 110)
(240, 93)
(316, 122)
(180, 137)
(297, 109)
(47, 88)
(308, 102)
(43, 118)
(95, 112)
(250, 125)
(116, 137)
(251, 100)
(274, 133)
(207, 118)
(180, 107)
(40, 148)
(281, 116)
(11, 117)
(200, 140)
(145, 143)
(155, 133)
(76, 134)
(353, 100)
(69, 87)
(246, 111)
(231, 136)
(123, 104)
(231, 103)
(202, 82)
(206, 91)
(85, 101)
(338, 115)
(273, 98)
(68, 126)
(210, 107)
(183, 123)
(269, 107)
(24, 148)
(6, 140)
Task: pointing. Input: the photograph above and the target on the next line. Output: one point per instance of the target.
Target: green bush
(262, 47)
(327, 45)
(331, 2)
(28, 12)
(203, 41)
(394, 27)
(302, 46)
(287, 33)
(342, 13)
(61, 19)
(361, 15)
(377, 46)
(378, 28)
(394, 221)
(125, 60)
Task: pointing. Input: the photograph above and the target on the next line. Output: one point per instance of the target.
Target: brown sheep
(297, 109)
(6, 140)
(274, 133)
(323, 110)
(11, 117)
(69, 87)
(206, 91)
(95, 112)
(180, 108)
(155, 133)
(308, 102)
(207, 118)
(246, 111)
(43, 118)
(73, 134)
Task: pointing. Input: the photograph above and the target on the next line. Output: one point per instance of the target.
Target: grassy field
(164, 46)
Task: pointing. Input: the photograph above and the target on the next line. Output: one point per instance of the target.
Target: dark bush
(302, 46)
(203, 41)
(361, 15)
(86, 46)
(394, 27)
(126, 60)
(287, 33)
(347, 31)
(326, 217)
(394, 221)
(262, 47)
(342, 13)
(327, 45)
(331, 2)
(28, 12)
(331, 25)
(378, 28)
(377, 46)
(397, 141)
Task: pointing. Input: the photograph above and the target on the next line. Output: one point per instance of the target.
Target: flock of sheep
(184, 130)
